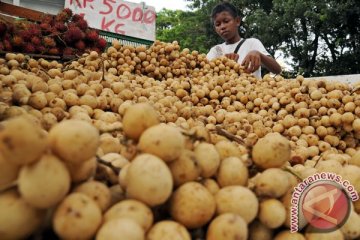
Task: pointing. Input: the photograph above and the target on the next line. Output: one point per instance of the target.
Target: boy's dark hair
(224, 6)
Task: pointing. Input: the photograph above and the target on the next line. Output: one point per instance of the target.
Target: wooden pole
(22, 12)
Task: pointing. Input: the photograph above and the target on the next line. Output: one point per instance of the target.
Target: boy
(251, 54)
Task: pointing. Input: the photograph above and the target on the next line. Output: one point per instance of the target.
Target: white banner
(117, 16)
(349, 79)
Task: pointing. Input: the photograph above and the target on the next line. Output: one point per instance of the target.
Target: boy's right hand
(233, 56)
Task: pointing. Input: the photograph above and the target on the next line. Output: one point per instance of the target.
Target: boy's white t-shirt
(250, 44)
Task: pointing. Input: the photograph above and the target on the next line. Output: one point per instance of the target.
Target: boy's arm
(270, 63)
(260, 56)
(254, 59)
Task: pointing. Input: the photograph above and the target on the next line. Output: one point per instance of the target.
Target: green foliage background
(318, 37)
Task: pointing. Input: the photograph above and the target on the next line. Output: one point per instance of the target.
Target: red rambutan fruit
(54, 51)
(77, 17)
(48, 19)
(60, 27)
(101, 43)
(64, 16)
(45, 27)
(35, 30)
(80, 45)
(40, 48)
(3, 28)
(17, 41)
(82, 24)
(1, 46)
(26, 35)
(68, 11)
(73, 34)
(36, 41)
(49, 42)
(10, 28)
(33, 25)
(71, 25)
(92, 35)
(29, 48)
(7, 45)
(61, 17)
(68, 51)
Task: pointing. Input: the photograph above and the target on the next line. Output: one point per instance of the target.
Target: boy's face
(226, 26)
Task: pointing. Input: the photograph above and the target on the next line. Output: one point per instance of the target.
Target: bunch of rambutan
(92, 35)
(64, 16)
(73, 34)
(63, 34)
(80, 38)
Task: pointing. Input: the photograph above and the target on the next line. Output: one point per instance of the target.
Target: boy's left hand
(252, 61)
(233, 56)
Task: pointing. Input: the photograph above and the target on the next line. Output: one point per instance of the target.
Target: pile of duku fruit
(159, 143)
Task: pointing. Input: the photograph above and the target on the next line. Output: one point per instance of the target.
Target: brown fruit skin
(192, 205)
(98, 191)
(163, 141)
(8, 172)
(120, 228)
(131, 209)
(21, 140)
(227, 226)
(18, 219)
(271, 151)
(185, 168)
(51, 170)
(167, 229)
(74, 141)
(77, 217)
(138, 118)
(149, 180)
(237, 199)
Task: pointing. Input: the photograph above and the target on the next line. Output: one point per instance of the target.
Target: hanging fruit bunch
(63, 34)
